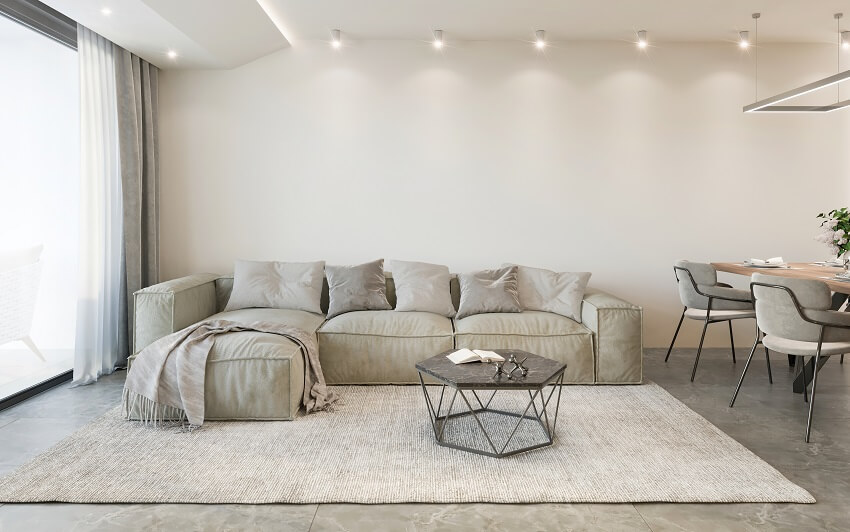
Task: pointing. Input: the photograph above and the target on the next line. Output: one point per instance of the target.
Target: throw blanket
(166, 379)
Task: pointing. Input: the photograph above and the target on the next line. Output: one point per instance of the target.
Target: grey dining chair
(706, 300)
(796, 319)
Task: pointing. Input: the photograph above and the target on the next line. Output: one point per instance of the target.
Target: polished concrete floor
(768, 419)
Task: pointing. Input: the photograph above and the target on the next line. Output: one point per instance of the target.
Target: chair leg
(812, 400)
(760, 336)
(746, 367)
(31, 345)
(732, 341)
(675, 334)
(801, 361)
(699, 350)
(842, 359)
(767, 358)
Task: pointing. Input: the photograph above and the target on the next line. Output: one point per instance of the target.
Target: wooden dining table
(798, 270)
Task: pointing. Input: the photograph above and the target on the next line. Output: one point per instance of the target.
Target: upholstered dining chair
(796, 319)
(706, 300)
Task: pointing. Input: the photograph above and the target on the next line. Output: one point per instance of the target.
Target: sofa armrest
(167, 307)
(617, 327)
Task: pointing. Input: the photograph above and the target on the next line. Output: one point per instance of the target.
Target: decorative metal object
(512, 367)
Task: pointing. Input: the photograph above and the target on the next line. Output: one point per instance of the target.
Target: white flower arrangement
(835, 231)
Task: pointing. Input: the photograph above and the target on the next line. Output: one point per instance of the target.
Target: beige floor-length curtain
(136, 83)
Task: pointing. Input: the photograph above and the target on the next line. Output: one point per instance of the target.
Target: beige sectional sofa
(261, 376)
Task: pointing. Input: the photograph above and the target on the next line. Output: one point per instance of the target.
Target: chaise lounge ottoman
(250, 375)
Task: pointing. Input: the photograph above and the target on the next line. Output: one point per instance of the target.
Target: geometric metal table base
(476, 407)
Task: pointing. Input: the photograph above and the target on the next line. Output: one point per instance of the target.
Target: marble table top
(541, 371)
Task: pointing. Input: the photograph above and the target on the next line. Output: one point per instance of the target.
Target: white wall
(40, 171)
(591, 157)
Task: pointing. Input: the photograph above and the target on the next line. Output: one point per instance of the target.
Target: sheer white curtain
(100, 275)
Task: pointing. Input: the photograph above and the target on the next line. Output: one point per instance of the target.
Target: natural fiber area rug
(613, 444)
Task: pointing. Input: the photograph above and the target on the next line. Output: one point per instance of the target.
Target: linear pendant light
(769, 105)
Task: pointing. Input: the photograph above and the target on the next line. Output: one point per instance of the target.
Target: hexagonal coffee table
(472, 380)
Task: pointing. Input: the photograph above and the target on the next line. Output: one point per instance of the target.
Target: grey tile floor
(768, 419)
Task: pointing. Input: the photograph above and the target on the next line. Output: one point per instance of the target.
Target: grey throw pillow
(423, 287)
(548, 291)
(488, 291)
(284, 285)
(361, 287)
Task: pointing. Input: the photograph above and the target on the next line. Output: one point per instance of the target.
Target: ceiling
(204, 33)
(614, 20)
(229, 33)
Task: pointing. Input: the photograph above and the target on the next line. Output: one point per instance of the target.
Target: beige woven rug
(614, 444)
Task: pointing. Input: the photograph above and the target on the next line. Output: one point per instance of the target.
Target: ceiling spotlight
(540, 43)
(172, 54)
(744, 43)
(438, 39)
(335, 39)
(106, 11)
(642, 42)
(845, 40)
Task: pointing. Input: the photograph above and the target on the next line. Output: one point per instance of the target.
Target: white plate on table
(751, 265)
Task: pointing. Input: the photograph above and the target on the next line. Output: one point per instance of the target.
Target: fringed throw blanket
(166, 379)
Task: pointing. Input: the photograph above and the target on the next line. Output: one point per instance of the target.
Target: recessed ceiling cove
(217, 34)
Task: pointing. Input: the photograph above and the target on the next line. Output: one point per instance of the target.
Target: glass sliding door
(39, 195)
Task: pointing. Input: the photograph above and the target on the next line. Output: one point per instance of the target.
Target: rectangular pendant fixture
(802, 108)
(768, 105)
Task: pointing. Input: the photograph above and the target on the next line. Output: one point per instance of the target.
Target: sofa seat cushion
(389, 323)
(252, 375)
(296, 318)
(380, 346)
(542, 333)
(527, 323)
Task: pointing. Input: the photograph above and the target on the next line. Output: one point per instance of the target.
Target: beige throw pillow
(284, 285)
(361, 287)
(548, 291)
(422, 287)
(488, 291)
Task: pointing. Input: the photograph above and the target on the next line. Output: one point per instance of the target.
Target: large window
(39, 191)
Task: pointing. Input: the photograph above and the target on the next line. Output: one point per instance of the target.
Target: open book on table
(462, 356)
